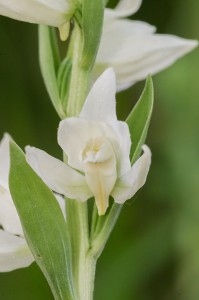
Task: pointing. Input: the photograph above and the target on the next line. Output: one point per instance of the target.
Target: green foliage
(49, 63)
(92, 22)
(63, 80)
(43, 224)
(139, 119)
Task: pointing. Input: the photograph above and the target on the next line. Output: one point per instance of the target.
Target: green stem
(77, 212)
(83, 263)
(86, 287)
(79, 81)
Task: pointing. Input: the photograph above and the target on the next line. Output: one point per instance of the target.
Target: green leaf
(49, 64)
(92, 22)
(43, 224)
(63, 80)
(139, 119)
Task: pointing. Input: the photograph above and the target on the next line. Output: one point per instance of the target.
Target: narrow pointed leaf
(92, 12)
(43, 224)
(49, 63)
(63, 80)
(139, 119)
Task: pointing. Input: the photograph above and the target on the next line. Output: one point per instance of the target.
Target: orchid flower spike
(133, 48)
(97, 147)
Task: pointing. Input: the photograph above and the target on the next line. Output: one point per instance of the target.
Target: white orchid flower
(14, 250)
(133, 48)
(48, 12)
(97, 146)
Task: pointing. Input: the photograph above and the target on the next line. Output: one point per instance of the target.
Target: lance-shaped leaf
(63, 80)
(139, 119)
(92, 21)
(49, 64)
(43, 224)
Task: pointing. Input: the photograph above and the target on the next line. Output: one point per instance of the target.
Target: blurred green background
(153, 253)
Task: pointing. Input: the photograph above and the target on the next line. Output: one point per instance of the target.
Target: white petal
(47, 12)
(75, 133)
(100, 104)
(57, 175)
(125, 29)
(160, 52)
(4, 160)
(73, 136)
(14, 252)
(127, 185)
(134, 53)
(9, 218)
(125, 8)
(122, 145)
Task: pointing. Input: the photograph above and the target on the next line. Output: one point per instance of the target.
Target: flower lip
(97, 150)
